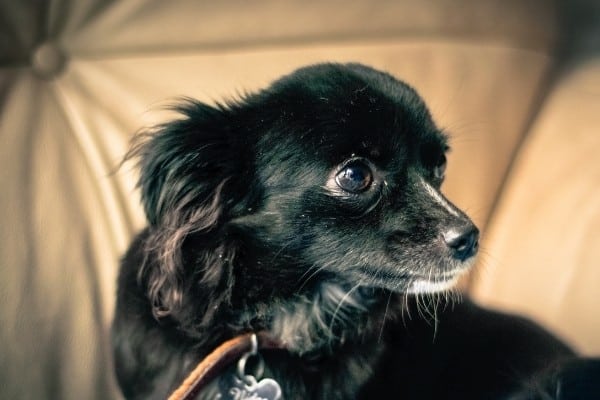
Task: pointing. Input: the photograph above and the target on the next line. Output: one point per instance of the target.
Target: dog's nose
(463, 241)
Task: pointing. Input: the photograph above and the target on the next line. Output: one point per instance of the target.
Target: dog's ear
(184, 162)
(188, 168)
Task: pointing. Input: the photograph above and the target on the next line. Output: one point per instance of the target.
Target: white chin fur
(425, 286)
(443, 283)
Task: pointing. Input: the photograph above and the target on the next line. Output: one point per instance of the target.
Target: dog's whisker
(343, 300)
(406, 307)
(315, 269)
(279, 252)
(314, 273)
(436, 301)
(383, 320)
(423, 307)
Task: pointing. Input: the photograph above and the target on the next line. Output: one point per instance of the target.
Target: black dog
(310, 211)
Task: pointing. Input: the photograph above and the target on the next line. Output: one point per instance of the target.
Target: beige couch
(516, 83)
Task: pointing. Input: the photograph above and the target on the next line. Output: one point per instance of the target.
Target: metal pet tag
(249, 389)
(242, 386)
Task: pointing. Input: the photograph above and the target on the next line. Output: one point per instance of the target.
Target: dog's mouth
(429, 268)
(437, 283)
(434, 279)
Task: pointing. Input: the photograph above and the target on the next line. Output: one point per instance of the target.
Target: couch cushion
(544, 238)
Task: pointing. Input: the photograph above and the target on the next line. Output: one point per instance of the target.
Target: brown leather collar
(210, 367)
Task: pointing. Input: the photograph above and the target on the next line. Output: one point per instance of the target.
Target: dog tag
(243, 386)
(249, 389)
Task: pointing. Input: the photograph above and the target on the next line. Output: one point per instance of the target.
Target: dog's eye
(439, 170)
(354, 177)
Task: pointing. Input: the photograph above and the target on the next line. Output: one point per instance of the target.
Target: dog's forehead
(337, 111)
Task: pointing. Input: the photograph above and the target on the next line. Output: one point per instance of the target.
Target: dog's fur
(310, 210)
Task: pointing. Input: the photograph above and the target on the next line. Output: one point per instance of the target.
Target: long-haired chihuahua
(310, 213)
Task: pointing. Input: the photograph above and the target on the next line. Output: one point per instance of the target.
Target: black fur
(310, 210)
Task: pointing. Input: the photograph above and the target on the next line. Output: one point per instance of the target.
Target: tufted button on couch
(516, 84)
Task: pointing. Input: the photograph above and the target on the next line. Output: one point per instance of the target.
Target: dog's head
(331, 173)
